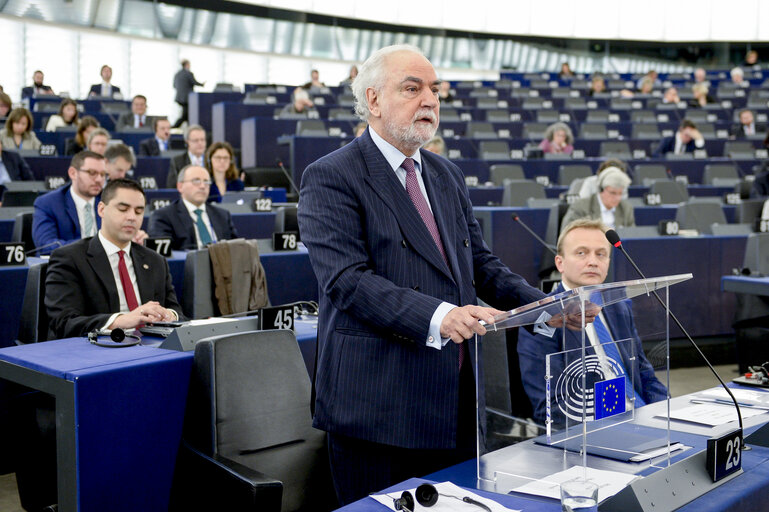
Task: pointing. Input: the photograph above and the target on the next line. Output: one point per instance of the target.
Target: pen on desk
(725, 402)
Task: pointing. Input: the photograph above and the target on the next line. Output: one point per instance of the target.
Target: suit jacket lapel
(143, 270)
(186, 222)
(436, 183)
(99, 263)
(385, 184)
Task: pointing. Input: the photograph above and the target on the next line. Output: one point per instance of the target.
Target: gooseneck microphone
(549, 247)
(614, 239)
(288, 175)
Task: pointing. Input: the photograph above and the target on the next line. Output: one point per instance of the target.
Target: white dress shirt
(195, 160)
(113, 257)
(607, 215)
(80, 205)
(207, 221)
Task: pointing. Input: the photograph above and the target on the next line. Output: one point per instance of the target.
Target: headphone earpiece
(117, 335)
(427, 495)
(405, 502)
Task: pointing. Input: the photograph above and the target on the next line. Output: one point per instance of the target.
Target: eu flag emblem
(609, 397)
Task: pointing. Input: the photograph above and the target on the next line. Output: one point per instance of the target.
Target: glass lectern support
(590, 397)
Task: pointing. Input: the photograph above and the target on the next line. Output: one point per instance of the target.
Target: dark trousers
(185, 115)
(361, 467)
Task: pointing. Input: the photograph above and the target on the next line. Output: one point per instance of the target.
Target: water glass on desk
(579, 495)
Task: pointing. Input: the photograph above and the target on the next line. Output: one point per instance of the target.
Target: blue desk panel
(200, 104)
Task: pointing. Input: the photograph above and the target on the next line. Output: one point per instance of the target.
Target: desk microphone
(288, 175)
(547, 246)
(614, 239)
(46, 246)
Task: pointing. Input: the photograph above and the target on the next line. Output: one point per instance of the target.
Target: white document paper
(449, 499)
(711, 414)
(609, 482)
(743, 396)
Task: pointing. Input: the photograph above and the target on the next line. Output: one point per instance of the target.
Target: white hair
(736, 72)
(613, 177)
(372, 74)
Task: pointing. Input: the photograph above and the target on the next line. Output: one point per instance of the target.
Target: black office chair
(33, 324)
(249, 407)
(22, 230)
(285, 219)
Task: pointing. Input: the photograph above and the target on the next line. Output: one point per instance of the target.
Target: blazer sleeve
(45, 228)
(578, 210)
(331, 219)
(65, 299)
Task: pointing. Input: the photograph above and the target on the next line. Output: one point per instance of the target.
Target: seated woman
(67, 116)
(558, 139)
(597, 85)
(98, 141)
(18, 132)
(566, 71)
(84, 128)
(5, 105)
(220, 161)
(701, 96)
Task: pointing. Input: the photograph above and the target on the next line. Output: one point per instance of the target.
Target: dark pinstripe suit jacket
(381, 278)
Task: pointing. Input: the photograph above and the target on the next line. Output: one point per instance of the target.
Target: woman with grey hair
(607, 205)
(558, 139)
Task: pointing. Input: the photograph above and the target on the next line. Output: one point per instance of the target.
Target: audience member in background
(558, 139)
(69, 212)
(738, 77)
(760, 187)
(650, 75)
(13, 168)
(302, 104)
(120, 160)
(360, 128)
(184, 83)
(671, 96)
(160, 142)
(436, 145)
(189, 221)
(701, 96)
(18, 133)
(195, 138)
(597, 85)
(646, 87)
(98, 141)
(700, 77)
(589, 186)
(566, 71)
(77, 144)
(607, 205)
(105, 89)
(686, 139)
(37, 88)
(137, 117)
(314, 85)
(220, 158)
(5, 105)
(353, 73)
(751, 59)
(444, 92)
(583, 259)
(67, 116)
(747, 126)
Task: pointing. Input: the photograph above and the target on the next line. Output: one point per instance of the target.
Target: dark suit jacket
(126, 120)
(760, 186)
(184, 83)
(668, 145)
(381, 277)
(150, 147)
(532, 350)
(96, 90)
(178, 163)
(81, 293)
(55, 218)
(28, 92)
(174, 221)
(738, 130)
(16, 166)
(71, 147)
(236, 185)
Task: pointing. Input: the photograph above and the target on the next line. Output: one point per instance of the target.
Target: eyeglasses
(94, 174)
(221, 158)
(198, 182)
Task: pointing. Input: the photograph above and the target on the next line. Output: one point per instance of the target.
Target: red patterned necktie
(420, 203)
(125, 280)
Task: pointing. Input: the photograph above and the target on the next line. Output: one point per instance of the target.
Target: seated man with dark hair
(108, 281)
(120, 160)
(747, 126)
(686, 140)
(583, 259)
(190, 222)
(160, 142)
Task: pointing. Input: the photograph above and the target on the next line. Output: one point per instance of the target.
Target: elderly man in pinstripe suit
(399, 259)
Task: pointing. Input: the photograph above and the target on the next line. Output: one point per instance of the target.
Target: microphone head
(515, 216)
(613, 238)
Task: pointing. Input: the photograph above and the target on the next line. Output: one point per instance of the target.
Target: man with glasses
(189, 222)
(195, 137)
(68, 213)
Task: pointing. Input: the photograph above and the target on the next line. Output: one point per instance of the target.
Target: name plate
(279, 317)
(285, 241)
(724, 455)
(54, 182)
(157, 204)
(148, 182)
(12, 254)
(161, 246)
(543, 180)
(651, 199)
(683, 178)
(732, 198)
(262, 204)
(471, 181)
(668, 227)
(48, 150)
